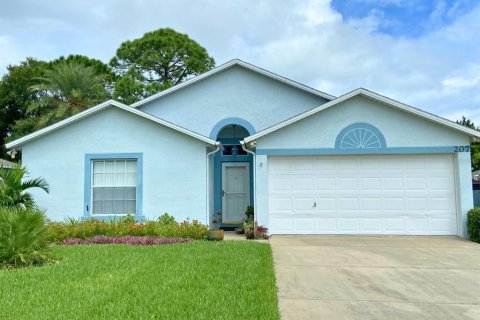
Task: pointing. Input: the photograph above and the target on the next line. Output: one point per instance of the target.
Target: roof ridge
(90, 111)
(371, 95)
(227, 65)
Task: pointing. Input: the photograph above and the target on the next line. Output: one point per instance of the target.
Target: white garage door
(388, 194)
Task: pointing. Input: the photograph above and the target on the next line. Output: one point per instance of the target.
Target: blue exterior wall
(403, 133)
(399, 128)
(232, 93)
(173, 164)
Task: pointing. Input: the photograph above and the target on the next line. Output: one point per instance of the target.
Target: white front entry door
(235, 191)
(381, 194)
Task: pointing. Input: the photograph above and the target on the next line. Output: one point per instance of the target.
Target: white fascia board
(235, 62)
(373, 96)
(21, 141)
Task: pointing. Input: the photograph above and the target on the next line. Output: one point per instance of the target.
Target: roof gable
(374, 96)
(91, 111)
(225, 66)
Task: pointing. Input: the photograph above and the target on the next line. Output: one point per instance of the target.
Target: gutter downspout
(207, 189)
(244, 147)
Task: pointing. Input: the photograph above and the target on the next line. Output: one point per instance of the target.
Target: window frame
(88, 183)
(114, 184)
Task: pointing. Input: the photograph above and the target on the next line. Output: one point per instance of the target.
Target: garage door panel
(349, 225)
(372, 225)
(348, 204)
(440, 184)
(416, 183)
(394, 204)
(304, 204)
(367, 204)
(326, 225)
(326, 204)
(324, 164)
(325, 184)
(395, 225)
(281, 203)
(304, 225)
(393, 183)
(404, 194)
(281, 184)
(370, 183)
(415, 204)
(282, 225)
(347, 184)
(304, 184)
(441, 225)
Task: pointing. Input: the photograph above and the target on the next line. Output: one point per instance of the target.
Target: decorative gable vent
(360, 136)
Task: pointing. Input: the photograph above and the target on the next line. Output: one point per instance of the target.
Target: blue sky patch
(404, 18)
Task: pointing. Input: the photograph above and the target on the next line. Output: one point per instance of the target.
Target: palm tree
(66, 89)
(14, 186)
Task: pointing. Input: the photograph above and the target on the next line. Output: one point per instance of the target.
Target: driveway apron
(377, 277)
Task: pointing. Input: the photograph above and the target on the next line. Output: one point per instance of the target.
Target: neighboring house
(6, 164)
(476, 188)
(309, 162)
(476, 177)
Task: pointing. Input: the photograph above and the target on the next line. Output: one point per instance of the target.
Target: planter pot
(215, 235)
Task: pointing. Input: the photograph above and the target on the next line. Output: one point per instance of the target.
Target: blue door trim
(228, 121)
(89, 157)
(335, 151)
(218, 160)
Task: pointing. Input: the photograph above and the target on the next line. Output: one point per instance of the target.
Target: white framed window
(114, 186)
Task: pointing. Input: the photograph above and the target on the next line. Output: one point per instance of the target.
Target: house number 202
(462, 148)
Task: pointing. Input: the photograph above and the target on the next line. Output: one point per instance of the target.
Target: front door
(235, 191)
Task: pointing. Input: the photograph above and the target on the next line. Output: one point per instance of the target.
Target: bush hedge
(23, 238)
(59, 231)
(473, 224)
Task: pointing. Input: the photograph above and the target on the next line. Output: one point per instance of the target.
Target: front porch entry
(235, 191)
(233, 176)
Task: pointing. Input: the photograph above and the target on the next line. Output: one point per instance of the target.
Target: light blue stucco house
(239, 135)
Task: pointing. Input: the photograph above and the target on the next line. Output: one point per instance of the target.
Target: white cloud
(318, 12)
(307, 41)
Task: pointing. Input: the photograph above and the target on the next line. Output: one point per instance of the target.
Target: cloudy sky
(424, 53)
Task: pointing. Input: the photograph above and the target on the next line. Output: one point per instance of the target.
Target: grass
(201, 280)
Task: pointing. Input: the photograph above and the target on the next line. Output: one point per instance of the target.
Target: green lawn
(202, 280)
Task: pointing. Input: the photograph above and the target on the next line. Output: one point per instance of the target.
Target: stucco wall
(173, 164)
(235, 92)
(399, 128)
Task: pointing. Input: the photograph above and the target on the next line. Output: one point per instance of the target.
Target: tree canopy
(65, 89)
(35, 94)
(474, 146)
(15, 94)
(157, 61)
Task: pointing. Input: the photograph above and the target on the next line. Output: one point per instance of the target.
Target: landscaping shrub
(58, 231)
(14, 185)
(473, 224)
(133, 240)
(23, 238)
(166, 219)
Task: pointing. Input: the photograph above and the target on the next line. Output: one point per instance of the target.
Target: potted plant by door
(215, 233)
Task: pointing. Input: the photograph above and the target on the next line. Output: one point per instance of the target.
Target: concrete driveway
(360, 277)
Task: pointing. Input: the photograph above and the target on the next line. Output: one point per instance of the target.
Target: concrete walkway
(360, 277)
